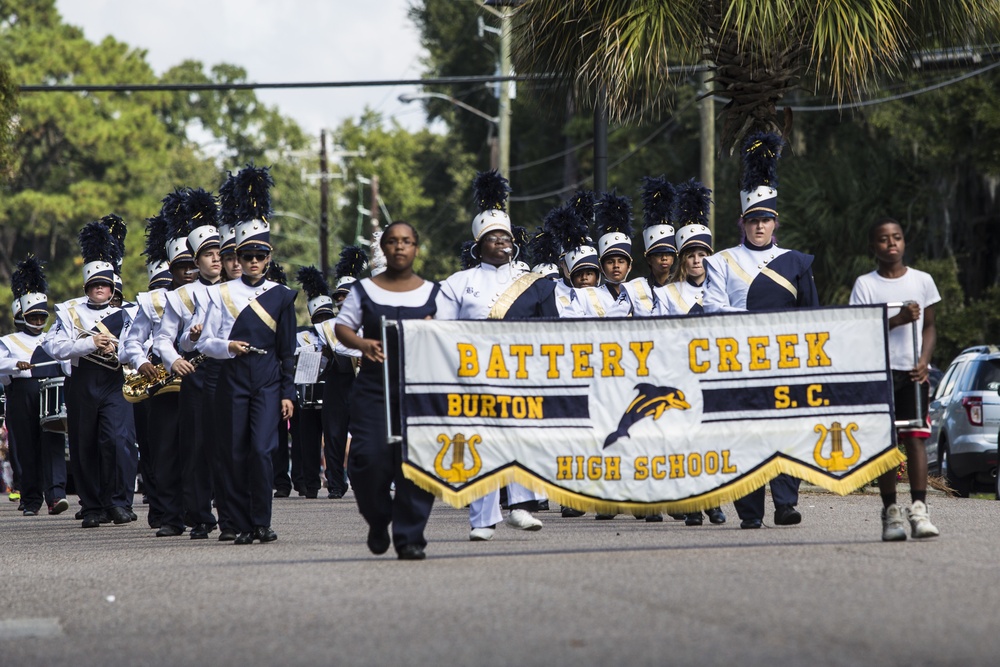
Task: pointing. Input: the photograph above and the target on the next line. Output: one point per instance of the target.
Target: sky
(276, 41)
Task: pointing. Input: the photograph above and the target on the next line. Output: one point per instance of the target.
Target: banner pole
(390, 438)
(918, 421)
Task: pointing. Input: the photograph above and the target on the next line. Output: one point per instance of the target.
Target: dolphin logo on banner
(652, 401)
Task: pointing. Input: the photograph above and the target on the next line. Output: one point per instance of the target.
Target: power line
(153, 87)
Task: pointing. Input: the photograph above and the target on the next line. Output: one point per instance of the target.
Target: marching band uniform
(657, 239)
(41, 453)
(101, 427)
(752, 278)
(614, 222)
(251, 386)
(306, 429)
(470, 295)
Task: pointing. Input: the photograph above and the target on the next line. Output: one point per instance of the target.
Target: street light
(406, 98)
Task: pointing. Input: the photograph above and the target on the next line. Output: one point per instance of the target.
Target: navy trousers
(40, 453)
(336, 421)
(195, 449)
(784, 491)
(162, 440)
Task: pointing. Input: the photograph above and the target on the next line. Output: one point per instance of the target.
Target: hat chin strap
(34, 329)
(100, 303)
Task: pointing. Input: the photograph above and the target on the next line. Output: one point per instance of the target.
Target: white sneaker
(920, 521)
(893, 526)
(522, 520)
(481, 534)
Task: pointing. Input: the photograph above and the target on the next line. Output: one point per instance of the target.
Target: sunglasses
(254, 257)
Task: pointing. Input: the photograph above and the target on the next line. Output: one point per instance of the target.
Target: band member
(100, 421)
(660, 247)
(685, 295)
(41, 452)
(287, 455)
(375, 465)
(613, 217)
(758, 275)
(470, 295)
(249, 323)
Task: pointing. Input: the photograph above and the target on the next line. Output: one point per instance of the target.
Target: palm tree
(758, 50)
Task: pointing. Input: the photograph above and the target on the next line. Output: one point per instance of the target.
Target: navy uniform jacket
(770, 278)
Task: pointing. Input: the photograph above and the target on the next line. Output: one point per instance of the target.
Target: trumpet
(108, 360)
(137, 388)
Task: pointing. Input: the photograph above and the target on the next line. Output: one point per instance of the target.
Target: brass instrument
(137, 388)
(108, 360)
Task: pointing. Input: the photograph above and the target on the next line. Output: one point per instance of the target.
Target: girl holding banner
(374, 464)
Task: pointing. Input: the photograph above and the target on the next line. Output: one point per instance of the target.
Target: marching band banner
(647, 415)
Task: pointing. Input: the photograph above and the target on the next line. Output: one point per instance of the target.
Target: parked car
(965, 421)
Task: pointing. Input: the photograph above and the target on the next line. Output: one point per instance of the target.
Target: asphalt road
(579, 592)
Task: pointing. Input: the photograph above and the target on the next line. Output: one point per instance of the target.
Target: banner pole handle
(918, 421)
(390, 437)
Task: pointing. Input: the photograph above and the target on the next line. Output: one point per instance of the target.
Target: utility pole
(505, 67)
(601, 140)
(324, 197)
(706, 110)
(374, 204)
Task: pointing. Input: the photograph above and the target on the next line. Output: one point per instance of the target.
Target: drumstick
(45, 363)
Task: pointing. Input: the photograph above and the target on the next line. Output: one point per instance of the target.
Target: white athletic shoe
(522, 520)
(481, 534)
(893, 526)
(920, 521)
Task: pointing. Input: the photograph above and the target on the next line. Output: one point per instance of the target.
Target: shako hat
(490, 190)
(657, 208)
(759, 177)
(694, 203)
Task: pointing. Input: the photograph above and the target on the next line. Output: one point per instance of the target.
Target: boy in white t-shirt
(895, 282)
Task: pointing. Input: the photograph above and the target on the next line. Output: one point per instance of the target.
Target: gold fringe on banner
(727, 493)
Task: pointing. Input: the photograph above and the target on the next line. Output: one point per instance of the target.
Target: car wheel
(961, 485)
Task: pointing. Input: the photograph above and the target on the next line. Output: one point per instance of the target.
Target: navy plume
(97, 244)
(156, 240)
(657, 201)
(760, 161)
(543, 248)
(276, 274)
(694, 201)
(567, 227)
(174, 212)
(490, 190)
(227, 201)
(468, 259)
(201, 208)
(118, 230)
(583, 204)
(520, 239)
(353, 262)
(614, 214)
(313, 282)
(252, 190)
(28, 277)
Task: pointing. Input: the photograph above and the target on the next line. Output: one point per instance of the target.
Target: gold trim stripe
(595, 300)
(511, 294)
(675, 294)
(735, 267)
(156, 299)
(227, 299)
(186, 299)
(264, 316)
(24, 348)
(781, 280)
(724, 494)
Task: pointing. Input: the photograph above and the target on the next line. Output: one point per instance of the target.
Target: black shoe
(653, 518)
(282, 493)
(78, 515)
(605, 517)
(228, 535)
(750, 523)
(335, 495)
(678, 517)
(244, 538)
(169, 531)
(132, 515)
(716, 515)
(378, 540)
(786, 515)
(570, 513)
(543, 506)
(263, 534)
(155, 523)
(119, 515)
(311, 493)
(20, 506)
(694, 519)
(201, 531)
(92, 521)
(30, 512)
(411, 552)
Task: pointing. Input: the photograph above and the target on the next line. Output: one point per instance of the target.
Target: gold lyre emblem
(457, 472)
(836, 462)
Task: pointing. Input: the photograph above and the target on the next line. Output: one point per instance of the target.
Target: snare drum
(52, 412)
(310, 395)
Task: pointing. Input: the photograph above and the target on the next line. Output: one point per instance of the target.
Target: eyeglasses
(500, 239)
(254, 257)
(404, 242)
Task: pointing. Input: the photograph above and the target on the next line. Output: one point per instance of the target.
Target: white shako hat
(351, 266)
(658, 216)
(29, 287)
(694, 202)
(759, 177)
(317, 290)
(490, 190)
(252, 199)
(100, 254)
(174, 212)
(202, 211)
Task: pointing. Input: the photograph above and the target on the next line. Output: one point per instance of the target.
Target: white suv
(965, 420)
